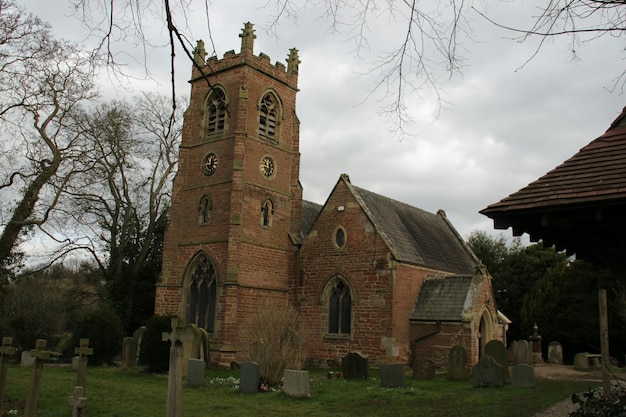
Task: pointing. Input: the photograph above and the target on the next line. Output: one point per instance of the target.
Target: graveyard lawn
(116, 392)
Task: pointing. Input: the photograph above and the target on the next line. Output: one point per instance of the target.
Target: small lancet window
(203, 295)
(339, 308)
(340, 237)
(267, 210)
(268, 114)
(205, 209)
(215, 117)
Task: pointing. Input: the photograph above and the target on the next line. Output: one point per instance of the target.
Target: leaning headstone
(392, 376)
(487, 373)
(6, 351)
(40, 354)
(195, 376)
(581, 361)
(424, 369)
(83, 351)
(296, 383)
(523, 376)
(457, 363)
(497, 351)
(78, 402)
(174, 402)
(249, 378)
(522, 353)
(555, 353)
(354, 366)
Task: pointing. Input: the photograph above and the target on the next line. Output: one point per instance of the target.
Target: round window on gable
(340, 237)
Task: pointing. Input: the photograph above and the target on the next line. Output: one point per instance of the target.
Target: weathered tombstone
(555, 353)
(174, 403)
(392, 376)
(128, 353)
(296, 383)
(249, 377)
(535, 341)
(424, 369)
(195, 376)
(26, 360)
(40, 354)
(523, 376)
(457, 363)
(585, 361)
(497, 351)
(6, 350)
(487, 373)
(83, 351)
(354, 366)
(522, 353)
(78, 402)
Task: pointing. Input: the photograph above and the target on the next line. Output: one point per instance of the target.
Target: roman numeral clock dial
(267, 166)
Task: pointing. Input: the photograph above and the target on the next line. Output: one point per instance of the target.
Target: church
(366, 273)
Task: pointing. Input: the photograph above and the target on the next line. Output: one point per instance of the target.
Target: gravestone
(174, 403)
(392, 376)
(581, 362)
(249, 378)
(522, 353)
(354, 366)
(296, 383)
(424, 369)
(497, 351)
(555, 353)
(6, 351)
(27, 361)
(457, 363)
(40, 354)
(487, 373)
(128, 353)
(523, 376)
(195, 376)
(83, 351)
(78, 402)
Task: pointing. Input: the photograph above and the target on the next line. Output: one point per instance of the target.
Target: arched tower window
(205, 209)
(267, 210)
(215, 112)
(339, 299)
(203, 294)
(269, 112)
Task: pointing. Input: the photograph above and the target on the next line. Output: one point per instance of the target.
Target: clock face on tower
(209, 164)
(267, 166)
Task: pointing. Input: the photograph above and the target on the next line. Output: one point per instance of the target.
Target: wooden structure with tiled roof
(579, 206)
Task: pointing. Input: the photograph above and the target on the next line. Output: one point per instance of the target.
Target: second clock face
(209, 164)
(267, 166)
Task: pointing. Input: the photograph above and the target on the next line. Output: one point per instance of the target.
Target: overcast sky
(505, 123)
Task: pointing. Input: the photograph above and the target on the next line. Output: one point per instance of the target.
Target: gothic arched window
(205, 209)
(268, 117)
(203, 294)
(267, 210)
(339, 307)
(215, 112)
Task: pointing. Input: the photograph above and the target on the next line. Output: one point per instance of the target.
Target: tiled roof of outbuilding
(442, 298)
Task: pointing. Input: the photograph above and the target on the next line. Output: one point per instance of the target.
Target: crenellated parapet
(286, 74)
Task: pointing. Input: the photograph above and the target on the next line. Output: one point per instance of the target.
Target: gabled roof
(442, 298)
(415, 236)
(310, 211)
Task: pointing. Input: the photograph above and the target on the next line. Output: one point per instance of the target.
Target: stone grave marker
(354, 366)
(523, 375)
(555, 353)
(195, 376)
(497, 351)
(457, 363)
(522, 353)
(249, 377)
(78, 402)
(581, 362)
(6, 351)
(296, 383)
(392, 376)
(174, 403)
(487, 373)
(128, 353)
(26, 360)
(83, 351)
(40, 354)
(424, 369)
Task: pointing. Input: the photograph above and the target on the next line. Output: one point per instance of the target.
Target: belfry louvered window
(268, 115)
(203, 294)
(215, 117)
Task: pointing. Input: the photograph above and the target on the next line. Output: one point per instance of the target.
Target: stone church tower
(237, 201)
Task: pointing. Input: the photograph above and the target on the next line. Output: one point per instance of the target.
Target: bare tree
(43, 84)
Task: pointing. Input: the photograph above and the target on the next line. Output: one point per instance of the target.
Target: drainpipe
(424, 337)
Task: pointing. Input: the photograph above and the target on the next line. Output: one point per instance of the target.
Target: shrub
(104, 330)
(593, 404)
(276, 339)
(154, 353)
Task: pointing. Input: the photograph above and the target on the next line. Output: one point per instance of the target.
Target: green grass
(115, 392)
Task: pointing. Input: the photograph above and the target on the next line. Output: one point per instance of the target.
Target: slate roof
(442, 298)
(310, 211)
(415, 236)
